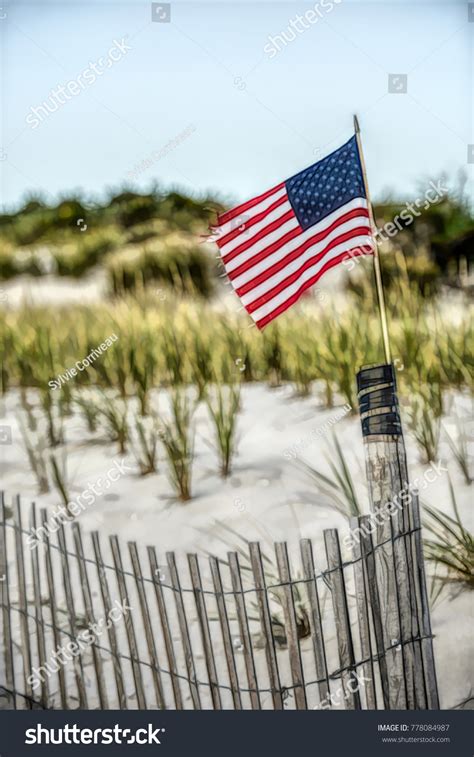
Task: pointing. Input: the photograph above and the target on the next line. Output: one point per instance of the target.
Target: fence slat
(77, 660)
(89, 610)
(266, 624)
(150, 640)
(57, 635)
(244, 630)
(226, 635)
(289, 612)
(368, 555)
(423, 606)
(204, 628)
(165, 626)
(184, 630)
(362, 603)
(6, 607)
(341, 613)
(128, 620)
(107, 604)
(409, 630)
(315, 620)
(23, 602)
(40, 638)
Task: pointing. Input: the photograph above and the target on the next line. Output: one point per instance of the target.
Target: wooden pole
(378, 272)
(395, 571)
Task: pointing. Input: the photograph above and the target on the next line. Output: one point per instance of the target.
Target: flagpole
(378, 272)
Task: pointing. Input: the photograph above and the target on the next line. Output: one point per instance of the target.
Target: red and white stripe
(270, 260)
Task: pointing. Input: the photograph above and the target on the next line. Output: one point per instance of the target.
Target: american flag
(277, 245)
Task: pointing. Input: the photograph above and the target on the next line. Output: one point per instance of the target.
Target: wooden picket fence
(85, 625)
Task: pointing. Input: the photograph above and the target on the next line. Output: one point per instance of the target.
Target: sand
(267, 497)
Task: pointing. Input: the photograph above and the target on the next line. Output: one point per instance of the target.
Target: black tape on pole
(377, 387)
(375, 375)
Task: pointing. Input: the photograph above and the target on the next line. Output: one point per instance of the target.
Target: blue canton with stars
(327, 185)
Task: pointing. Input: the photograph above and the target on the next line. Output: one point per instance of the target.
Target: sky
(206, 103)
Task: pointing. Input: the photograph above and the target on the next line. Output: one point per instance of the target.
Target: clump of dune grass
(173, 357)
(337, 486)
(90, 411)
(460, 452)
(424, 418)
(145, 444)
(46, 467)
(28, 410)
(178, 441)
(223, 404)
(59, 477)
(35, 447)
(303, 370)
(143, 365)
(202, 364)
(273, 355)
(52, 416)
(114, 413)
(450, 546)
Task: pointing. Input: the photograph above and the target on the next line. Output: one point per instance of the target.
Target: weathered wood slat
(40, 629)
(165, 626)
(341, 613)
(226, 635)
(57, 634)
(129, 626)
(72, 618)
(91, 621)
(150, 640)
(23, 602)
(423, 609)
(6, 608)
(244, 630)
(184, 630)
(291, 626)
(368, 555)
(112, 634)
(362, 603)
(404, 581)
(266, 624)
(205, 632)
(315, 620)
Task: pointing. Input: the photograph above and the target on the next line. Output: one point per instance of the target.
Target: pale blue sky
(257, 120)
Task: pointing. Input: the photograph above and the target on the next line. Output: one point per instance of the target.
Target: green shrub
(175, 262)
(137, 210)
(84, 252)
(7, 260)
